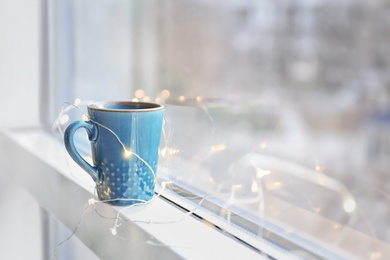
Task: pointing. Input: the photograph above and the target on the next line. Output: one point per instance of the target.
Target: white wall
(19, 62)
(20, 236)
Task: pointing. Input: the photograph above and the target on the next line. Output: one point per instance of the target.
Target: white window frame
(231, 237)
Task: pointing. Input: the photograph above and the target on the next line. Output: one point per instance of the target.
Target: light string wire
(349, 202)
(71, 234)
(328, 184)
(92, 203)
(138, 202)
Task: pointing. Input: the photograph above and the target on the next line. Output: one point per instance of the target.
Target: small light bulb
(165, 93)
(349, 205)
(91, 201)
(128, 153)
(139, 93)
(254, 187)
(64, 119)
(113, 231)
(263, 145)
(85, 117)
(77, 102)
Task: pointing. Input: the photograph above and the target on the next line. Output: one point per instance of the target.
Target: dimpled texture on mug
(134, 181)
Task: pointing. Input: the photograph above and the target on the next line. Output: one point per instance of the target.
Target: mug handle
(71, 148)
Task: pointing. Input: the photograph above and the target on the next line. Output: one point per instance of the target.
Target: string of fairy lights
(316, 175)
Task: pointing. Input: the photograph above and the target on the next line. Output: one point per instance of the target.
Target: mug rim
(142, 106)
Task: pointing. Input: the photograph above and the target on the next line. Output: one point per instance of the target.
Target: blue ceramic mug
(125, 138)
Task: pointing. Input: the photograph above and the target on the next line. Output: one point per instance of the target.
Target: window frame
(51, 102)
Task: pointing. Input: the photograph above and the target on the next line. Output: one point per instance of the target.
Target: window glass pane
(276, 111)
(103, 49)
(90, 50)
(280, 101)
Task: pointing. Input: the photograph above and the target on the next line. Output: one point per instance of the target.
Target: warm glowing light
(199, 98)
(158, 100)
(319, 168)
(165, 93)
(182, 98)
(168, 151)
(127, 153)
(318, 210)
(274, 186)
(375, 255)
(218, 148)
(260, 173)
(226, 212)
(263, 145)
(237, 186)
(254, 187)
(77, 102)
(64, 119)
(169, 184)
(139, 93)
(107, 192)
(135, 100)
(349, 205)
(146, 98)
(85, 117)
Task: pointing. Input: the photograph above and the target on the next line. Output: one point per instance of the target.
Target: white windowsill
(63, 189)
(60, 187)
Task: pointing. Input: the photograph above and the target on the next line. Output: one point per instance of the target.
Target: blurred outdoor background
(304, 82)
